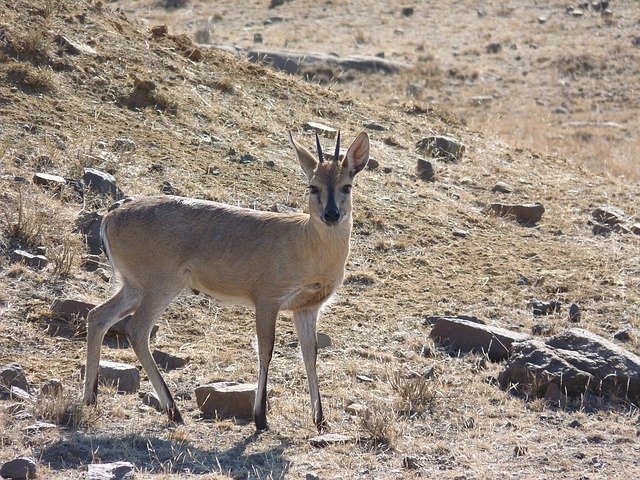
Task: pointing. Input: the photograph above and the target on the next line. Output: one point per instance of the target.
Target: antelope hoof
(174, 414)
(261, 423)
(322, 425)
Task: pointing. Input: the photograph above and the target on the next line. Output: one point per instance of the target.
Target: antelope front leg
(305, 322)
(266, 331)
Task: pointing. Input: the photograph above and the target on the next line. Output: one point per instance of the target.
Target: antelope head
(330, 181)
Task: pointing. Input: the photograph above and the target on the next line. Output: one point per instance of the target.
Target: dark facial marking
(331, 212)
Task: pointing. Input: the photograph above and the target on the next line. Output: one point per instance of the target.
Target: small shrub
(23, 228)
(65, 410)
(32, 47)
(30, 79)
(379, 427)
(416, 396)
(62, 258)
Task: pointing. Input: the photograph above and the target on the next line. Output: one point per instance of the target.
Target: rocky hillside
(436, 234)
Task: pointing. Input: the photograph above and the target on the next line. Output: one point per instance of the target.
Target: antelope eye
(314, 190)
(346, 189)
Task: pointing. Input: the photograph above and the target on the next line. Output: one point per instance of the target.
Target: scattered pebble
(328, 439)
(502, 187)
(19, 468)
(574, 313)
(425, 169)
(364, 378)
(623, 335)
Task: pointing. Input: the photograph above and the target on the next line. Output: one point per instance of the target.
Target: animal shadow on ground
(155, 455)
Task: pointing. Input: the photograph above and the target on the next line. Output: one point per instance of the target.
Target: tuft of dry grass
(23, 227)
(379, 428)
(31, 79)
(31, 46)
(66, 410)
(416, 395)
(62, 257)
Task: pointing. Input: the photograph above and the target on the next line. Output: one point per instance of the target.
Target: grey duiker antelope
(269, 261)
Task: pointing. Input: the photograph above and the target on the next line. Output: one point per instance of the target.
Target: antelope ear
(358, 154)
(306, 159)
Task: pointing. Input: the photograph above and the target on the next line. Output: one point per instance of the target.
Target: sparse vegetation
(31, 46)
(416, 395)
(444, 415)
(30, 79)
(23, 228)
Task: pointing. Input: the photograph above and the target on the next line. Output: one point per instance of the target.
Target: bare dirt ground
(537, 74)
(61, 112)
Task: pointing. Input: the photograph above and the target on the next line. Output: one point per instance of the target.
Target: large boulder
(576, 361)
(469, 336)
(617, 369)
(534, 365)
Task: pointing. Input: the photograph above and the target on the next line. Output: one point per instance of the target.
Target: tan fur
(269, 261)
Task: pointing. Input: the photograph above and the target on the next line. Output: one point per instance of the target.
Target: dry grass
(405, 264)
(23, 228)
(31, 79)
(32, 46)
(541, 66)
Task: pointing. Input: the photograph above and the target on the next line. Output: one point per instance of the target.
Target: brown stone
(227, 399)
(19, 468)
(528, 214)
(126, 378)
(467, 336)
(443, 147)
(159, 31)
(52, 388)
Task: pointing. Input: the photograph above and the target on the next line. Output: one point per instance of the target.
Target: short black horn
(320, 154)
(337, 154)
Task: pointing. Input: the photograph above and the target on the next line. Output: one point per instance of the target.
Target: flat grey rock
(468, 336)
(111, 471)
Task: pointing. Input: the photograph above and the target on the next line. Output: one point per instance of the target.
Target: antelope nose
(331, 215)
